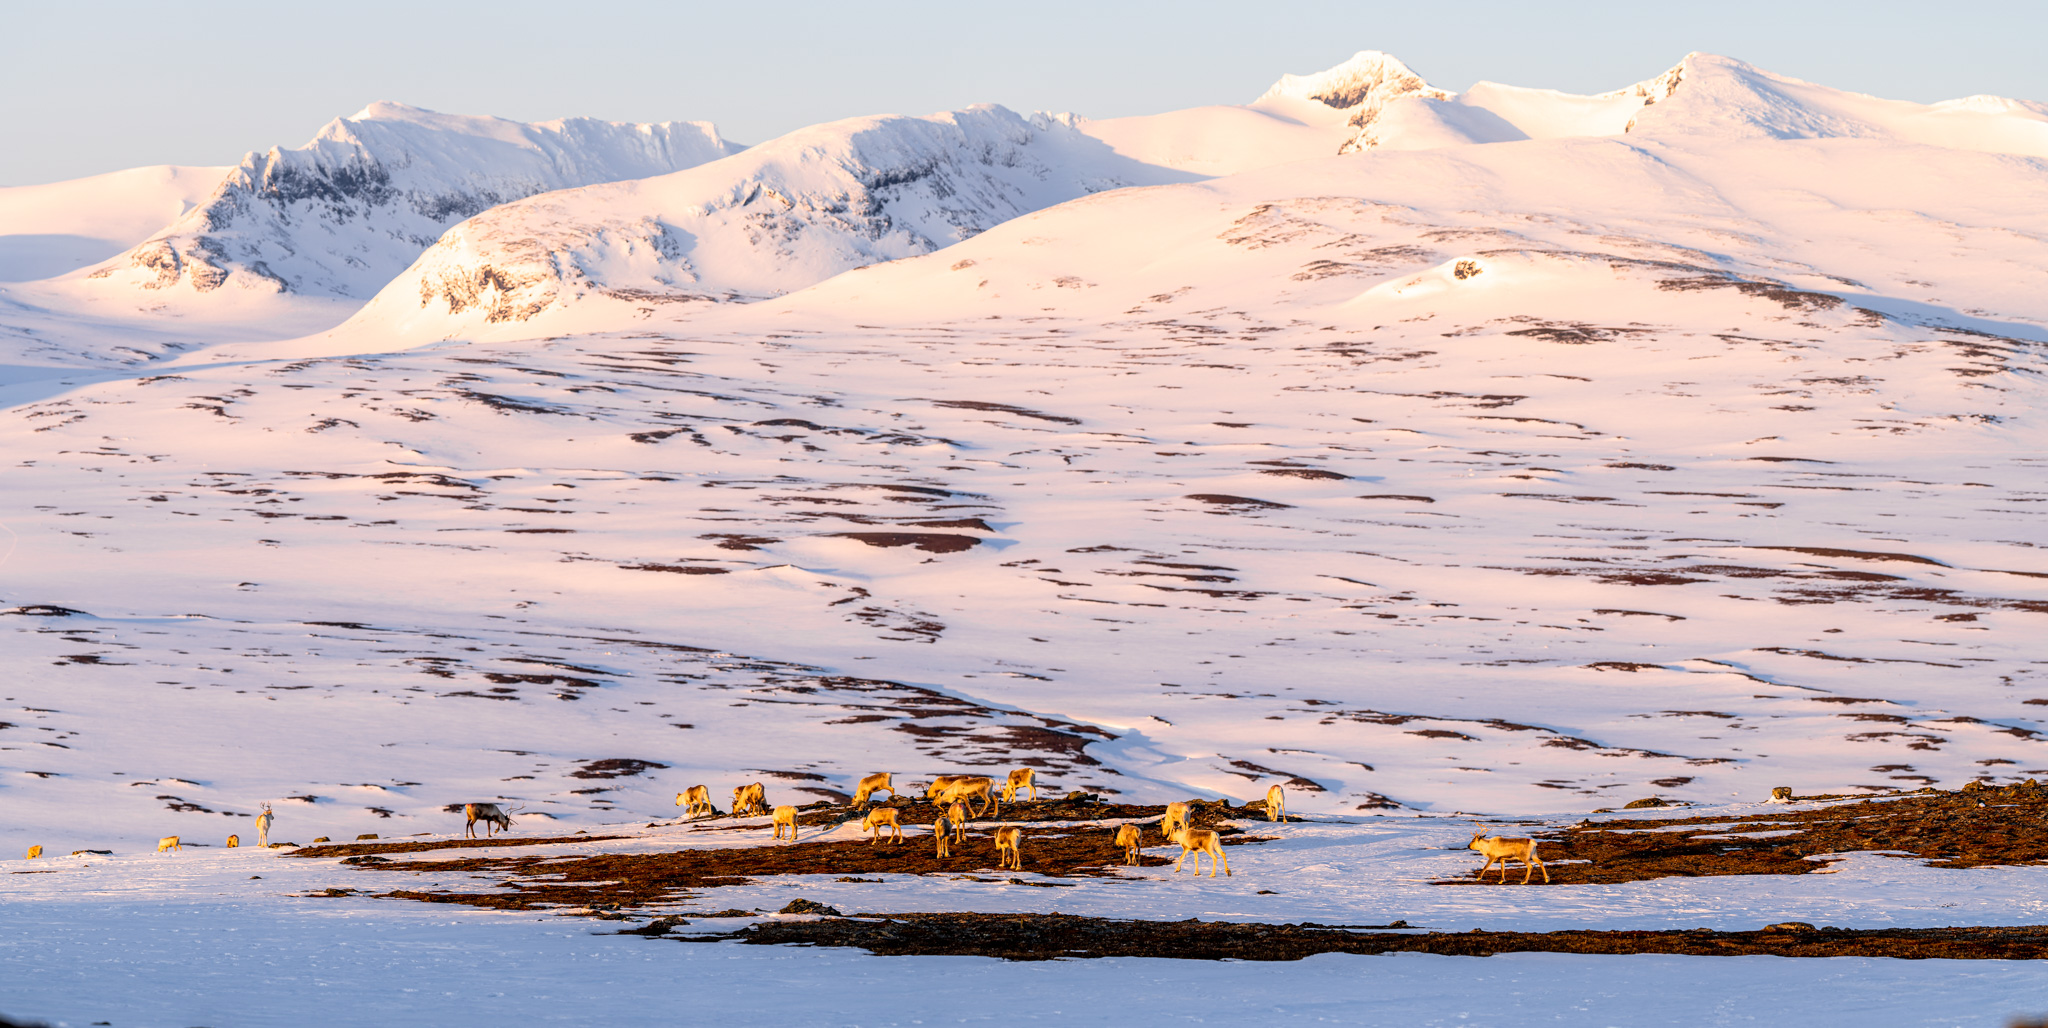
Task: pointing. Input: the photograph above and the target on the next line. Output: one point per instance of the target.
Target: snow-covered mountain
(836, 197)
(342, 214)
(1704, 95)
(796, 210)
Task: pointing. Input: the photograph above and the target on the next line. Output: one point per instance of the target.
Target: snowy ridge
(1705, 95)
(344, 213)
(1726, 98)
(781, 216)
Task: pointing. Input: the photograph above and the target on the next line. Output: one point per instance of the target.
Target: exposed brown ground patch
(1053, 936)
(1948, 829)
(360, 849)
(640, 879)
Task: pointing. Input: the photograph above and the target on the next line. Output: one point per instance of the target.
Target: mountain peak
(1370, 78)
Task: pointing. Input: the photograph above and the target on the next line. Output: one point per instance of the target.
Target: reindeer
(1504, 850)
(234, 842)
(940, 829)
(864, 793)
(941, 783)
(36, 851)
(877, 817)
(957, 814)
(1176, 817)
(1022, 778)
(785, 815)
(695, 800)
(962, 788)
(169, 842)
(749, 799)
(494, 819)
(1129, 837)
(263, 826)
(1781, 794)
(1276, 804)
(1010, 847)
(1199, 841)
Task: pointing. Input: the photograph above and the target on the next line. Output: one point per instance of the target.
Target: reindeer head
(1474, 844)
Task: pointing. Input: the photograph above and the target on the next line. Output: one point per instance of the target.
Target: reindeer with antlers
(490, 814)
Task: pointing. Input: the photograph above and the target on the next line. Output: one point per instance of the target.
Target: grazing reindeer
(877, 817)
(1276, 804)
(695, 800)
(1781, 794)
(1176, 817)
(1129, 836)
(34, 852)
(969, 787)
(234, 842)
(785, 815)
(941, 784)
(494, 819)
(749, 799)
(957, 813)
(940, 829)
(1022, 778)
(263, 826)
(1504, 850)
(864, 793)
(169, 842)
(1199, 841)
(1010, 848)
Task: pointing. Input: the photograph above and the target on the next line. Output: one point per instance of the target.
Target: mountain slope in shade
(344, 213)
(50, 229)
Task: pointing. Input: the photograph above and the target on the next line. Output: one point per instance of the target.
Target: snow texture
(1546, 453)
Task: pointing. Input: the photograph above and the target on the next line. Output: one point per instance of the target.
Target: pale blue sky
(94, 87)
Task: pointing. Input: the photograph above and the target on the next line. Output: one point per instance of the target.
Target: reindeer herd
(961, 798)
(951, 796)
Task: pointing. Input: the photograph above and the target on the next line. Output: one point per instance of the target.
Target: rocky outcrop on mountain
(344, 213)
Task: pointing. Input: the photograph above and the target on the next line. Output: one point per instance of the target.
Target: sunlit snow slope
(1531, 475)
(51, 229)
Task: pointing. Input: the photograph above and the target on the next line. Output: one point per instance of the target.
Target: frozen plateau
(1440, 457)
